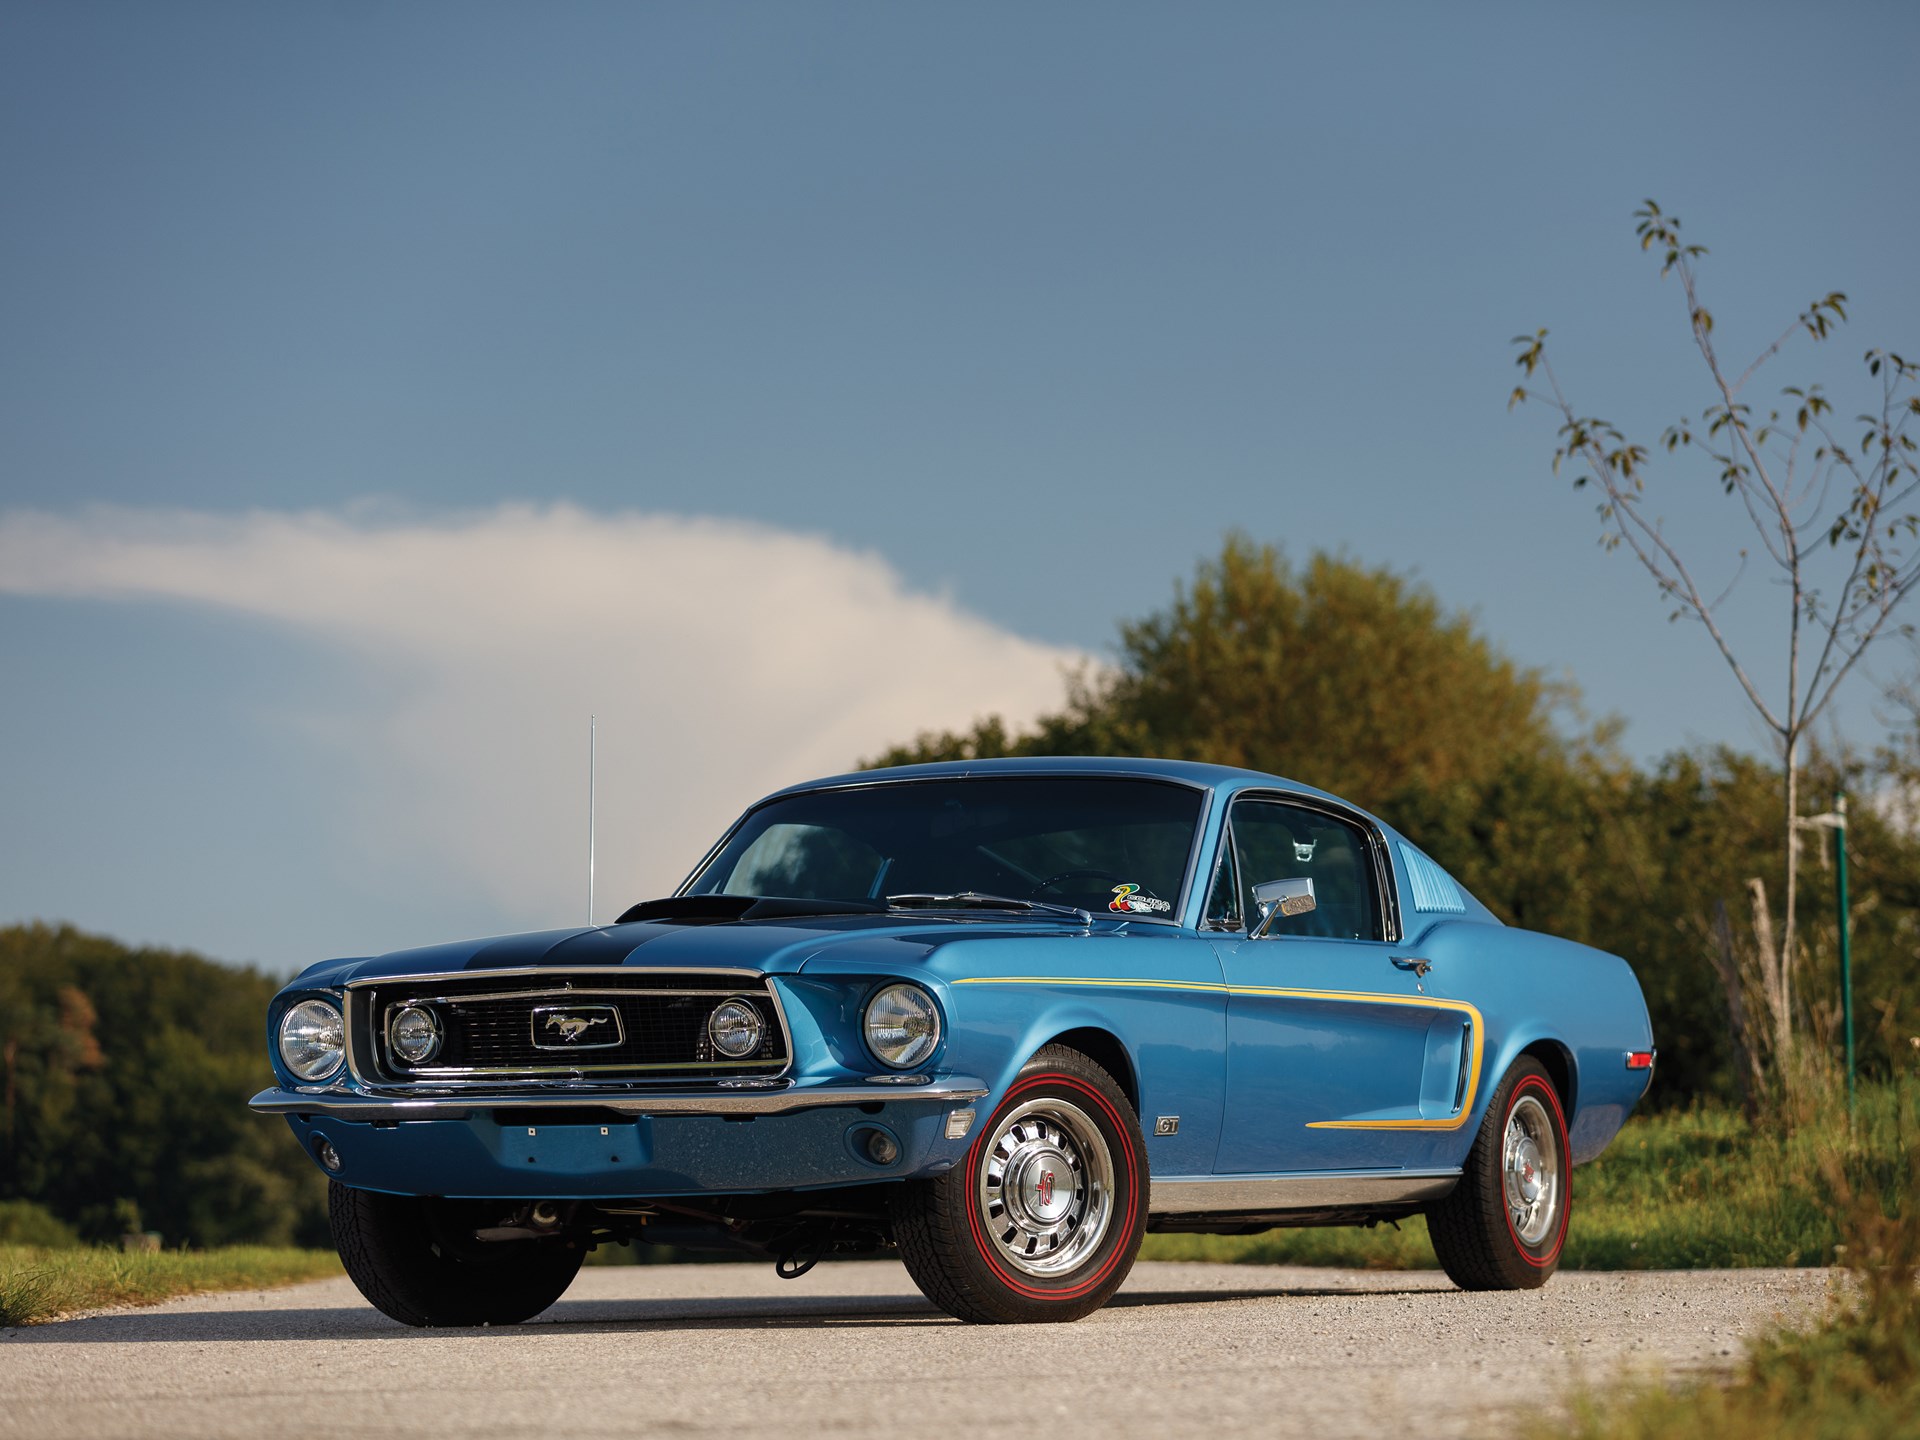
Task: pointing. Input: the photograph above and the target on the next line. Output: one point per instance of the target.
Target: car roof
(1222, 778)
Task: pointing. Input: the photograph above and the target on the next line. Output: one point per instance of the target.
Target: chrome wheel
(1502, 1227)
(1530, 1171)
(1046, 1187)
(1043, 1219)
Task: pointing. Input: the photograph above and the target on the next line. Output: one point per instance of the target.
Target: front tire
(1042, 1220)
(404, 1255)
(1502, 1227)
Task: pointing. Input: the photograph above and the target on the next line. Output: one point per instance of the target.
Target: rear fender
(1579, 1010)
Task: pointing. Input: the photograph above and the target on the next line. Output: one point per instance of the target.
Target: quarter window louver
(1433, 888)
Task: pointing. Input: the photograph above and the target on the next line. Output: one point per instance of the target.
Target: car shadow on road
(1127, 1299)
(800, 1311)
(201, 1327)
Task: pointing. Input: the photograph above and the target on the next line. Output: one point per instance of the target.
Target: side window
(1282, 842)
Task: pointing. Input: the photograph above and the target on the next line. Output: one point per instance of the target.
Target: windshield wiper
(976, 900)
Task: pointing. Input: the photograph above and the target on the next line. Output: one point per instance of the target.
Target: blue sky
(384, 387)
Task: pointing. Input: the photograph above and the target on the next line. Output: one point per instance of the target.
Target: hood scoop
(719, 909)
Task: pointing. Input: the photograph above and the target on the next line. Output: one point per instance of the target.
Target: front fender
(1159, 999)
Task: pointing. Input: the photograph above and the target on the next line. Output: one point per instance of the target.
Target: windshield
(1114, 847)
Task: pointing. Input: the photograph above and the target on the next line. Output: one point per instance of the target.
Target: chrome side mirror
(1281, 897)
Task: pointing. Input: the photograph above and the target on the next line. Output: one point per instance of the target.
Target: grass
(1688, 1190)
(1856, 1376)
(1696, 1189)
(39, 1284)
(1704, 1189)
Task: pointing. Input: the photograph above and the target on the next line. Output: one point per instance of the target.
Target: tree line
(1356, 680)
(126, 1071)
(124, 1078)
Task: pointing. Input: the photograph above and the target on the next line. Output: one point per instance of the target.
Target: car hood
(770, 946)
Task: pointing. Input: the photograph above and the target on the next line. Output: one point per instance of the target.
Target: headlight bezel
(923, 1044)
(322, 1015)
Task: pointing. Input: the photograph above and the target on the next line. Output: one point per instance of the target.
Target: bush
(24, 1223)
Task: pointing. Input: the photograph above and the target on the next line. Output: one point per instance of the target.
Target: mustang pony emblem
(572, 1027)
(577, 1027)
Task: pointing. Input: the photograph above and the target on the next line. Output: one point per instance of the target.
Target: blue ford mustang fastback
(1000, 1018)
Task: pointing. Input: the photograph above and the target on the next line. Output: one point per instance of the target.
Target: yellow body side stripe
(1348, 997)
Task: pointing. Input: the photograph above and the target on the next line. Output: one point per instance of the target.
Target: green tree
(1346, 677)
(1830, 515)
(127, 1074)
(1358, 681)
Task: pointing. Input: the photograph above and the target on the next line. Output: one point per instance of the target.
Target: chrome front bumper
(446, 1104)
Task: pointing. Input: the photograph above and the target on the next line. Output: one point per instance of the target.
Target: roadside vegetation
(125, 1071)
(1856, 1375)
(38, 1283)
(1702, 1188)
(1357, 680)
(124, 1078)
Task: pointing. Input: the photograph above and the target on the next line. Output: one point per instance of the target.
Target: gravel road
(852, 1350)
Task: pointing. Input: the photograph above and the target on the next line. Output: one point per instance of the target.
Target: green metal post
(1846, 947)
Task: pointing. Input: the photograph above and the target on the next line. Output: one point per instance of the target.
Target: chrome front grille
(606, 1025)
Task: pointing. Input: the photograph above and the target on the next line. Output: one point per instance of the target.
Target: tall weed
(1857, 1374)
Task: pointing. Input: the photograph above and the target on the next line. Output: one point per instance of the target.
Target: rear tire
(1502, 1227)
(1043, 1218)
(411, 1267)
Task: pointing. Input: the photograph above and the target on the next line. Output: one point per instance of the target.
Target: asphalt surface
(852, 1350)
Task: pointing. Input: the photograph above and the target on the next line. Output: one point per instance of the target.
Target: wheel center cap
(1526, 1171)
(1045, 1184)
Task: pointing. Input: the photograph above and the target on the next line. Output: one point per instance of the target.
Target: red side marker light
(1639, 1059)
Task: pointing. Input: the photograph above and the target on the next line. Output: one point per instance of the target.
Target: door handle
(1414, 963)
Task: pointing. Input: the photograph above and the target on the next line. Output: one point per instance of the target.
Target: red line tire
(1502, 1227)
(404, 1255)
(1042, 1219)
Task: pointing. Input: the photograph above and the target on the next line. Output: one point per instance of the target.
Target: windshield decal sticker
(1128, 900)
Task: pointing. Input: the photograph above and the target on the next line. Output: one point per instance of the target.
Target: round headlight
(903, 1026)
(313, 1039)
(735, 1029)
(414, 1034)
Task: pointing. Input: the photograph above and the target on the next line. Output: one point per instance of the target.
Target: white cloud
(722, 660)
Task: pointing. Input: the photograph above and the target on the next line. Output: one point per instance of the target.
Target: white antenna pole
(590, 747)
